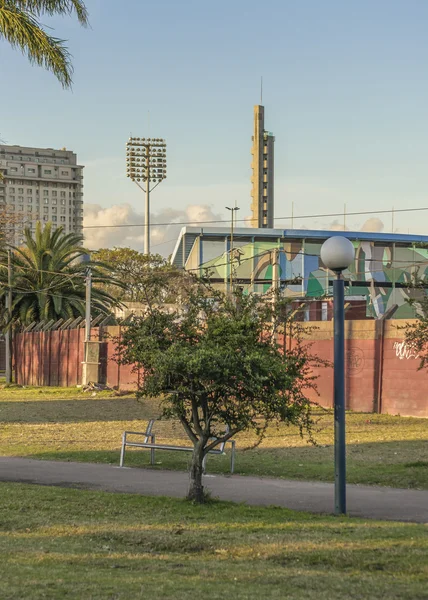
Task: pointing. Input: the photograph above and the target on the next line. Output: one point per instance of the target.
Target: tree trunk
(196, 489)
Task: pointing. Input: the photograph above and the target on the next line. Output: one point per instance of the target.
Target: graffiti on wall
(404, 351)
(355, 361)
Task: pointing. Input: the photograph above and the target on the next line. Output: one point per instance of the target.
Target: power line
(314, 216)
(403, 265)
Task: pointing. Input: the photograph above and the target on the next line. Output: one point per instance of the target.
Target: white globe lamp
(337, 253)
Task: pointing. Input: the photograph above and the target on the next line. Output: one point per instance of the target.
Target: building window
(29, 191)
(13, 170)
(62, 194)
(20, 190)
(62, 202)
(46, 200)
(29, 200)
(12, 190)
(54, 201)
(45, 218)
(54, 218)
(63, 211)
(31, 170)
(12, 198)
(30, 208)
(62, 219)
(64, 172)
(48, 172)
(21, 199)
(54, 194)
(54, 209)
(45, 192)
(46, 209)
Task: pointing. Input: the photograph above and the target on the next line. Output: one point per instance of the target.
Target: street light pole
(146, 163)
(232, 212)
(147, 210)
(339, 395)
(337, 253)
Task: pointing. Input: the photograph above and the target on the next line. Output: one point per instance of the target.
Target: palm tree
(48, 278)
(20, 26)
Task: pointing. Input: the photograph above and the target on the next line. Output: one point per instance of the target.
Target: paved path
(363, 501)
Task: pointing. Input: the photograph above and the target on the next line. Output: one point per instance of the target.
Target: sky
(345, 88)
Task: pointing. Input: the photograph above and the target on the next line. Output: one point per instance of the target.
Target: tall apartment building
(41, 184)
(262, 205)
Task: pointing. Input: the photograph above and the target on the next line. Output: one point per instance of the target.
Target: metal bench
(149, 442)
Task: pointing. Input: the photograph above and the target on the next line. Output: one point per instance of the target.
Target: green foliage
(220, 370)
(145, 278)
(20, 26)
(48, 278)
(416, 334)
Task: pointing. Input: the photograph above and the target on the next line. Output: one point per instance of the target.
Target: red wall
(379, 376)
(55, 358)
(381, 373)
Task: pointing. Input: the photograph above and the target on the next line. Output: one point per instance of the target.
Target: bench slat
(152, 445)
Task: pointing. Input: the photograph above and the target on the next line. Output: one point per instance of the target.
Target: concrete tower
(262, 205)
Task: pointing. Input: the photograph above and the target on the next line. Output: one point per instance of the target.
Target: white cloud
(374, 224)
(165, 228)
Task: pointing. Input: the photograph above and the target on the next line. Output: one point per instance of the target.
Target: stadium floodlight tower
(146, 166)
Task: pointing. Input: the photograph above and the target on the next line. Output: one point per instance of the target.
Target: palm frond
(55, 7)
(49, 279)
(23, 31)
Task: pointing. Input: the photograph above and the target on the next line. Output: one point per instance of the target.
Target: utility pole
(88, 308)
(275, 287)
(90, 367)
(232, 211)
(8, 336)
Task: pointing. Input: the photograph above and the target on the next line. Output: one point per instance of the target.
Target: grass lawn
(63, 543)
(16, 393)
(58, 424)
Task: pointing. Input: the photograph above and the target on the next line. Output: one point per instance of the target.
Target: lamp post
(337, 253)
(146, 163)
(232, 212)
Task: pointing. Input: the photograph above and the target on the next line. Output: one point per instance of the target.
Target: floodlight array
(146, 159)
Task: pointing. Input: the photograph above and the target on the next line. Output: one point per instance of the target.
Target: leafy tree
(416, 334)
(219, 369)
(145, 278)
(11, 222)
(21, 27)
(48, 278)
